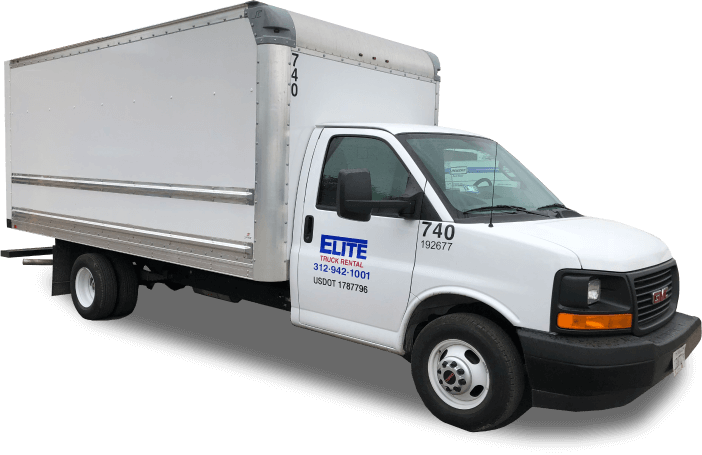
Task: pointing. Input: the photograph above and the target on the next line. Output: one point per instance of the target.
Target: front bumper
(586, 373)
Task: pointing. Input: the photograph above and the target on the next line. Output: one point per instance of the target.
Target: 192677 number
(436, 245)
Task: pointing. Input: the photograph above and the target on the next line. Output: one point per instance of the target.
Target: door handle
(309, 229)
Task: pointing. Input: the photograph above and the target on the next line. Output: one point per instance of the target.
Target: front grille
(648, 312)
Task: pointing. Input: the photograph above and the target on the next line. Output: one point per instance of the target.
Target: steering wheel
(478, 182)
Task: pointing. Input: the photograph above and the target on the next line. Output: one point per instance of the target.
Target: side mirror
(354, 185)
(354, 197)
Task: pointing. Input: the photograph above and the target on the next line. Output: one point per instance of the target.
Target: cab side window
(388, 174)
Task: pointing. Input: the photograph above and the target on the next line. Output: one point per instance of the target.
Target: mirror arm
(409, 211)
(401, 205)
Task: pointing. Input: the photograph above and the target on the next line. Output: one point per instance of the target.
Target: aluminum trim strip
(436, 105)
(8, 140)
(198, 261)
(272, 150)
(27, 215)
(228, 195)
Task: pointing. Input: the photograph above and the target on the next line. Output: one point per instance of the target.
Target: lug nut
(440, 381)
(453, 364)
(462, 381)
(457, 389)
(448, 389)
(444, 364)
(460, 371)
(438, 371)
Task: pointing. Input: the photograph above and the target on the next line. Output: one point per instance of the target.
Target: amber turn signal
(594, 321)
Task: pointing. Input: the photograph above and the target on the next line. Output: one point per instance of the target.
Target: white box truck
(255, 153)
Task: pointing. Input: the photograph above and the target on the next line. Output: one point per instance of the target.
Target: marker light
(594, 321)
(593, 291)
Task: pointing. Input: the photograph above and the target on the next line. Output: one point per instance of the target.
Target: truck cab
(403, 229)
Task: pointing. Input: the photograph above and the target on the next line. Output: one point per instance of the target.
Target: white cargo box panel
(181, 142)
(143, 144)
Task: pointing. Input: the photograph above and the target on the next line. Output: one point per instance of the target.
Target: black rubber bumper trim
(550, 400)
(589, 373)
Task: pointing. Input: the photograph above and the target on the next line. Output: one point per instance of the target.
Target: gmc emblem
(660, 295)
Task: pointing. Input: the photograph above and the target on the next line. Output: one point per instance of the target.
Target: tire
(127, 286)
(93, 286)
(522, 408)
(486, 385)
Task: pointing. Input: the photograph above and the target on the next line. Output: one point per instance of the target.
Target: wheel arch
(438, 302)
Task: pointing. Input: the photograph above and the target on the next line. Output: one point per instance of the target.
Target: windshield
(465, 169)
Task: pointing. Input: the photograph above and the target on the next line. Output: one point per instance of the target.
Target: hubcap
(458, 374)
(454, 375)
(85, 287)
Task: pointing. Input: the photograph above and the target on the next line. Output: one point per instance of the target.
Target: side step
(27, 252)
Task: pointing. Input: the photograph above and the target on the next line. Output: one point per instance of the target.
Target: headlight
(593, 291)
(591, 301)
(579, 291)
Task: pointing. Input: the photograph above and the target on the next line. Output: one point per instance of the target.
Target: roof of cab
(398, 128)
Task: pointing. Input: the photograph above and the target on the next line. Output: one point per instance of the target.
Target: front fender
(415, 301)
(507, 270)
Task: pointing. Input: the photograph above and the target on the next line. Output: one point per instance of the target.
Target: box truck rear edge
(255, 153)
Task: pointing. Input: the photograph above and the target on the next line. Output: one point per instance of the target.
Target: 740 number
(293, 76)
(448, 231)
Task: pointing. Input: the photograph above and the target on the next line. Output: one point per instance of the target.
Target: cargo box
(183, 142)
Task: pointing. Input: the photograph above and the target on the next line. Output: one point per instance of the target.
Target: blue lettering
(324, 246)
(328, 245)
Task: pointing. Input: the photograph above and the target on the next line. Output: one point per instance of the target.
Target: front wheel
(468, 372)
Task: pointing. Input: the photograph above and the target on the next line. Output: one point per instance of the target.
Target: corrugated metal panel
(346, 43)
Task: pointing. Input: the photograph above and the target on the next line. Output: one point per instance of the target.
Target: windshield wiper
(512, 207)
(553, 206)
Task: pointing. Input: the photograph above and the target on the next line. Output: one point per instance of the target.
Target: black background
(577, 103)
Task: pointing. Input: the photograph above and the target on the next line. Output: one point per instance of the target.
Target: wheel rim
(458, 373)
(85, 287)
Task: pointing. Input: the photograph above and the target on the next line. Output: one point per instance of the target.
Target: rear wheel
(93, 286)
(468, 372)
(127, 286)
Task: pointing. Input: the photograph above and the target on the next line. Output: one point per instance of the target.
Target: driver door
(354, 277)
